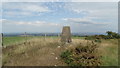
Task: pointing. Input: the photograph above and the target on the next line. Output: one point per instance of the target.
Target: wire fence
(25, 38)
(22, 38)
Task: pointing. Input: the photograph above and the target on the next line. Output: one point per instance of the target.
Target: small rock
(58, 46)
(52, 53)
(56, 58)
(4, 46)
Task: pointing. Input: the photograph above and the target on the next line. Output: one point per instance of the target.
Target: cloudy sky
(52, 16)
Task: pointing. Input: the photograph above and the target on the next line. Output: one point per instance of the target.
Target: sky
(52, 16)
(60, 0)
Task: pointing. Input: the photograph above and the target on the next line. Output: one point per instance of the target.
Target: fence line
(26, 36)
(45, 37)
(1, 36)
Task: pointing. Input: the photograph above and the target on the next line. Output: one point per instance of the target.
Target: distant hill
(48, 34)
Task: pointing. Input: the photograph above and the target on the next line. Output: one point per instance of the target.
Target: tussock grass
(14, 40)
(39, 51)
(109, 51)
(35, 52)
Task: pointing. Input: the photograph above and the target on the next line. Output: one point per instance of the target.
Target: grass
(76, 37)
(37, 52)
(109, 52)
(108, 49)
(13, 40)
(18, 39)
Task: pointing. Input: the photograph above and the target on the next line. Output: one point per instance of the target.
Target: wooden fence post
(58, 35)
(1, 44)
(45, 36)
(1, 39)
(25, 37)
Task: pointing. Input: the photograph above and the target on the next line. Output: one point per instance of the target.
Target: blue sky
(52, 16)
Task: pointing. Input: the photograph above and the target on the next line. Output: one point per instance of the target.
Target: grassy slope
(18, 39)
(38, 52)
(13, 40)
(108, 48)
(109, 52)
(73, 37)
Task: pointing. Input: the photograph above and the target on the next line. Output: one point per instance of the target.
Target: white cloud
(31, 7)
(84, 21)
(30, 26)
(16, 13)
(2, 20)
(36, 8)
(104, 10)
(33, 23)
(60, 0)
(23, 8)
(1, 25)
(94, 0)
(76, 24)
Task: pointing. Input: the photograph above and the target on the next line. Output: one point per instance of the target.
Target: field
(41, 51)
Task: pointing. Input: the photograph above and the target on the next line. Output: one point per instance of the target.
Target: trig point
(66, 34)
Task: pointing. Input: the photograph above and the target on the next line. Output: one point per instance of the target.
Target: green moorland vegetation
(13, 40)
(19, 39)
(103, 51)
(100, 50)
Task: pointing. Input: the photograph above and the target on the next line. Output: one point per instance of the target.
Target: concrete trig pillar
(66, 35)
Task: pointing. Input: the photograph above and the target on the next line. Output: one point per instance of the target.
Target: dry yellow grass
(37, 52)
(109, 51)
(45, 52)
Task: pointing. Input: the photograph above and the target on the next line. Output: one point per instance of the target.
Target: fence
(12, 39)
(1, 49)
